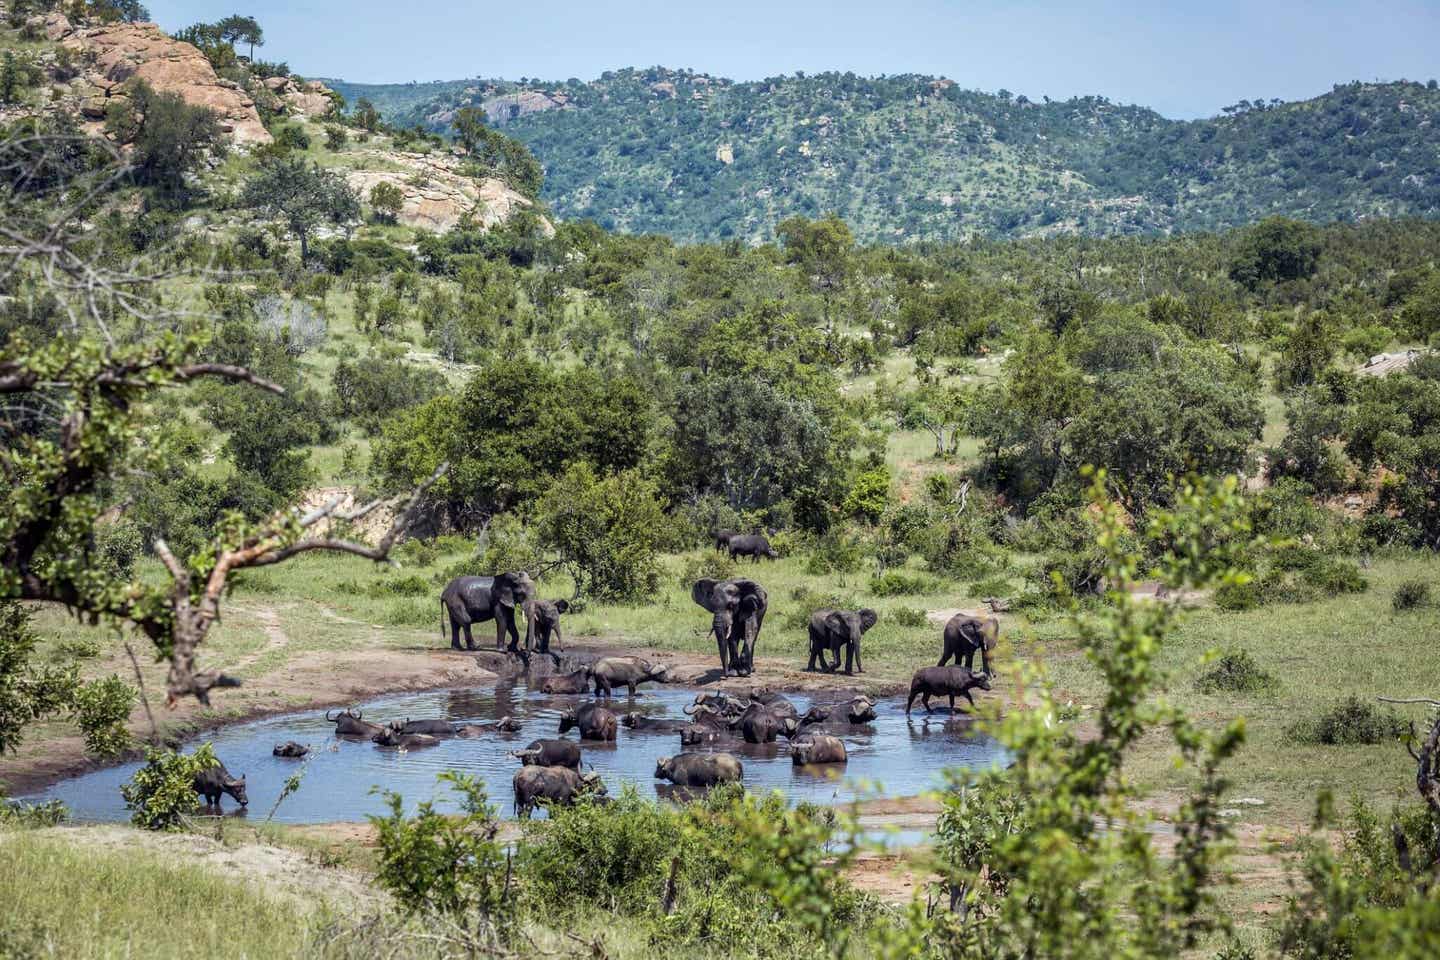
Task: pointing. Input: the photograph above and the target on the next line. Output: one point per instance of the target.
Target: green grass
(63, 900)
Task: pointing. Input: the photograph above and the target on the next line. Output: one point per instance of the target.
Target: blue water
(901, 756)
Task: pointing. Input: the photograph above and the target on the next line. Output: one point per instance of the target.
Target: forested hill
(916, 158)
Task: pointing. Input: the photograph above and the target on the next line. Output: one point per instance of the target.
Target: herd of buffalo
(550, 770)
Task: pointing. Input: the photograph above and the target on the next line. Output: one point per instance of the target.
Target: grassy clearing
(59, 899)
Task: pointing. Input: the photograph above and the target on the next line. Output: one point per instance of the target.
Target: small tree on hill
(302, 195)
(237, 29)
(387, 199)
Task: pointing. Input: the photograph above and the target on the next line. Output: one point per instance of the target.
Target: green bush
(835, 552)
(509, 544)
(807, 600)
(907, 617)
(1235, 597)
(413, 585)
(100, 708)
(117, 546)
(409, 612)
(894, 583)
(869, 495)
(1348, 721)
(707, 563)
(17, 813)
(1410, 595)
(450, 865)
(162, 794)
(1236, 672)
(606, 530)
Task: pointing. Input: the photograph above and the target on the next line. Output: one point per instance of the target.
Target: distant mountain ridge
(907, 158)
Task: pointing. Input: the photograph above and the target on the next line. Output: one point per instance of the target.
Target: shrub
(162, 793)
(893, 583)
(907, 617)
(835, 552)
(388, 200)
(411, 586)
(17, 813)
(709, 563)
(1236, 672)
(100, 708)
(294, 325)
(454, 866)
(869, 495)
(335, 138)
(508, 544)
(1410, 595)
(808, 600)
(117, 546)
(1348, 721)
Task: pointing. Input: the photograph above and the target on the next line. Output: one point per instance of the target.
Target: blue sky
(1183, 59)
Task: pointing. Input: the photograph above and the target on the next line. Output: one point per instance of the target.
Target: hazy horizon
(1181, 61)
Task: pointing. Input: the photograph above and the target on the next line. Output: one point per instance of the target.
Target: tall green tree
(302, 195)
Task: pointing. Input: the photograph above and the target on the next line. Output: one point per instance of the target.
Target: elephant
(964, 635)
(544, 616)
(700, 769)
(945, 682)
(832, 629)
(557, 785)
(594, 721)
(751, 545)
(290, 750)
(349, 723)
(470, 600)
(550, 753)
(609, 672)
(817, 748)
(738, 610)
(214, 781)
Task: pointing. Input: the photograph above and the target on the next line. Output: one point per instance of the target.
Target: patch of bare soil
(892, 878)
(274, 871)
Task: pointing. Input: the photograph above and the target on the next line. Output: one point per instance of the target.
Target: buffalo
(610, 672)
(349, 723)
(945, 682)
(576, 682)
(290, 750)
(700, 769)
(555, 785)
(550, 753)
(594, 721)
(211, 782)
(472, 730)
(393, 737)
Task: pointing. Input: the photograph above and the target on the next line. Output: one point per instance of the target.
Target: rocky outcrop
(511, 105)
(310, 99)
(120, 52)
(438, 197)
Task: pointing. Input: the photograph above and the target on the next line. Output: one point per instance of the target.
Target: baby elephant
(610, 672)
(699, 769)
(557, 785)
(550, 753)
(545, 620)
(594, 721)
(965, 636)
(290, 750)
(944, 682)
(830, 630)
(214, 781)
(817, 748)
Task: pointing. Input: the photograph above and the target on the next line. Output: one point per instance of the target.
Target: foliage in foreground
(161, 795)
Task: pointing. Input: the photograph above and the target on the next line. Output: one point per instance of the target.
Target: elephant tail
(442, 618)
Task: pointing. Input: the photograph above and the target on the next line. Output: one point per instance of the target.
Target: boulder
(57, 27)
(437, 197)
(122, 51)
(309, 100)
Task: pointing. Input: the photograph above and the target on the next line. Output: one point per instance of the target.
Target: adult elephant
(476, 599)
(965, 635)
(738, 610)
(832, 629)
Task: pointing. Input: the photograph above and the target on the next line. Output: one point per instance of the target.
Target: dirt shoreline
(312, 681)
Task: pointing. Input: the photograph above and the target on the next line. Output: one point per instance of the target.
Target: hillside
(919, 158)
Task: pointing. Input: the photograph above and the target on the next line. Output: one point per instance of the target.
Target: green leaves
(162, 794)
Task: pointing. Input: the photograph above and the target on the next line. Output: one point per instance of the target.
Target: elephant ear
(561, 606)
(991, 632)
(835, 623)
(868, 619)
(749, 603)
(504, 589)
(702, 592)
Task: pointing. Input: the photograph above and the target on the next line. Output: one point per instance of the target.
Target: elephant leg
(602, 687)
(632, 691)
(558, 643)
(849, 658)
(859, 667)
(969, 659)
(454, 633)
(945, 657)
(469, 639)
(810, 667)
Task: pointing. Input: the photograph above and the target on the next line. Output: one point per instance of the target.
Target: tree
(237, 29)
(303, 195)
(388, 200)
(366, 117)
(169, 136)
(1276, 250)
(99, 391)
(607, 530)
(470, 127)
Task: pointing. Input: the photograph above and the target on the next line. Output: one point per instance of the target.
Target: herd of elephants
(550, 770)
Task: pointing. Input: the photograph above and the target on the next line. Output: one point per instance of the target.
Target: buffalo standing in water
(700, 769)
(211, 782)
(555, 785)
(949, 682)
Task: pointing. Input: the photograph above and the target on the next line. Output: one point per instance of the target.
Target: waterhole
(892, 756)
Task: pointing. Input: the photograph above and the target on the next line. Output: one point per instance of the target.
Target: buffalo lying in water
(349, 723)
(550, 753)
(594, 721)
(817, 748)
(699, 769)
(290, 750)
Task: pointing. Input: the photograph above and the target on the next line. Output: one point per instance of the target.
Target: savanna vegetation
(1213, 525)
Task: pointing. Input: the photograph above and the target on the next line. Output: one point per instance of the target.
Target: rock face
(438, 197)
(309, 98)
(511, 105)
(122, 51)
